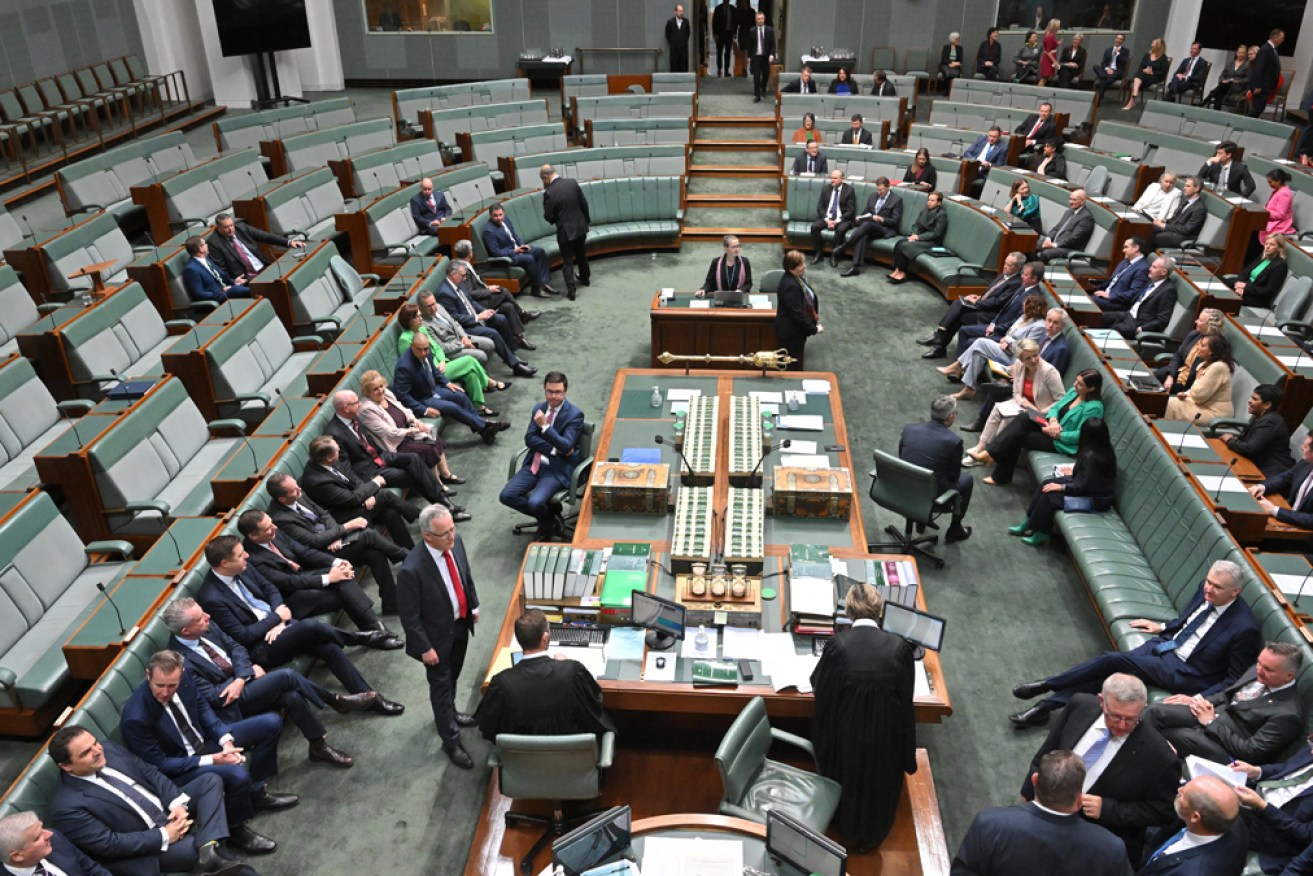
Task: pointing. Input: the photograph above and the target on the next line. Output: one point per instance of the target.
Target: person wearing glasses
(729, 271)
(439, 606)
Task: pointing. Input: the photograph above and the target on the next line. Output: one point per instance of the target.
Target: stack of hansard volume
(692, 539)
(745, 526)
(701, 433)
(745, 441)
(558, 571)
(812, 596)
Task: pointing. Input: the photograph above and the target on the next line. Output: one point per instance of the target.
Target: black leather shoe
(452, 480)
(935, 353)
(585, 281)
(897, 281)
(384, 706)
(379, 640)
(834, 263)
(1035, 716)
(489, 431)
(957, 533)
(209, 861)
(457, 754)
(932, 341)
(248, 842)
(524, 344)
(1030, 689)
(953, 378)
(322, 752)
(522, 369)
(756, 100)
(461, 516)
(816, 259)
(973, 427)
(569, 294)
(486, 411)
(464, 719)
(538, 293)
(549, 290)
(851, 272)
(530, 315)
(265, 800)
(344, 703)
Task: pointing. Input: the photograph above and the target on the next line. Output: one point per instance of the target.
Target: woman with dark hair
(989, 55)
(1231, 81)
(1024, 205)
(1208, 395)
(1280, 206)
(1265, 439)
(1056, 431)
(466, 371)
(863, 725)
(797, 317)
(1153, 69)
(920, 174)
(927, 232)
(1261, 280)
(1027, 60)
(1051, 162)
(1185, 360)
(808, 132)
(1087, 485)
(842, 83)
(745, 19)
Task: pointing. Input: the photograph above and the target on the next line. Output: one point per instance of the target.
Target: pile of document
(558, 571)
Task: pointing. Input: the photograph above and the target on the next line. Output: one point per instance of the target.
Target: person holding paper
(1209, 393)
(541, 696)
(864, 727)
(1265, 439)
(1211, 843)
(880, 219)
(1035, 385)
(1278, 809)
(730, 271)
(1296, 485)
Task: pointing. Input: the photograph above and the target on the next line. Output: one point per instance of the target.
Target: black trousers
(442, 686)
(573, 252)
(503, 348)
(760, 65)
(907, 250)
(1020, 434)
(840, 233)
(504, 303)
(724, 54)
(290, 691)
(864, 233)
(408, 471)
(1179, 725)
(794, 346)
(343, 595)
(369, 548)
(317, 639)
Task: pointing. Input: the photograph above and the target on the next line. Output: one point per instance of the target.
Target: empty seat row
(249, 130)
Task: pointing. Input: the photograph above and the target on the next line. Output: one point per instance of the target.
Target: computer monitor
(794, 843)
(663, 618)
(917, 627)
(593, 842)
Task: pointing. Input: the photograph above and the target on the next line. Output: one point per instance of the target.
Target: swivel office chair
(909, 491)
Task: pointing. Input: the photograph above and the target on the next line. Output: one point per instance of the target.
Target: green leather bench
(867, 165)
(1255, 136)
(1102, 251)
(30, 418)
(840, 108)
(327, 292)
(444, 125)
(1078, 106)
(196, 196)
(633, 106)
(607, 162)
(305, 152)
(904, 86)
(383, 170)
(1148, 146)
(976, 117)
(637, 132)
(248, 130)
(1121, 175)
(105, 181)
(392, 232)
(407, 103)
(674, 83)
(11, 235)
(305, 206)
(96, 240)
(489, 147)
(19, 313)
(1300, 185)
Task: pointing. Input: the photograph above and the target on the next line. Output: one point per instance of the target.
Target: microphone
(177, 552)
(662, 439)
(255, 186)
(1222, 482)
(1129, 374)
(291, 420)
(479, 191)
(1186, 431)
(72, 424)
(28, 226)
(100, 585)
(150, 165)
(1300, 590)
(378, 186)
(1302, 350)
(455, 202)
(255, 460)
(182, 153)
(341, 357)
(787, 442)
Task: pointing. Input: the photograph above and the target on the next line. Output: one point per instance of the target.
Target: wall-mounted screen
(250, 27)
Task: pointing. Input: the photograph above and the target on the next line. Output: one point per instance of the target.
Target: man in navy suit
(501, 241)
(1043, 837)
(1112, 69)
(1128, 278)
(439, 607)
(1207, 647)
(481, 321)
(1189, 75)
(1212, 842)
(811, 160)
(1295, 485)
(369, 460)
(1278, 808)
(989, 150)
(976, 309)
(997, 325)
(251, 610)
(935, 446)
(1152, 308)
(1189, 218)
(1264, 73)
(421, 386)
(429, 209)
(761, 54)
(880, 219)
(553, 442)
(129, 816)
(236, 688)
(170, 726)
(26, 843)
(566, 207)
(206, 281)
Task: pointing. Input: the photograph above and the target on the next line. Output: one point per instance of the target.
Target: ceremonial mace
(766, 360)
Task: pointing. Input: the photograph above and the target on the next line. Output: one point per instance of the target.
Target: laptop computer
(729, 297)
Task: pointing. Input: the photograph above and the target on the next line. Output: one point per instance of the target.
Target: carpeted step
(754, 170)
(739, 200)
(745, 234)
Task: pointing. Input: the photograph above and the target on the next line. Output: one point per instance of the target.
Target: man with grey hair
(439, 607)
(1131, 772)
(481, 321)
(502, 242)
(493, 296)
(447, 333)
(1044, 836)
(234, 247)
(1151, 309)
(935, 446)
(1203, 650)
(28, 847)
(976, 309)
(1160, 201)
(565, 206)
(1211, 842)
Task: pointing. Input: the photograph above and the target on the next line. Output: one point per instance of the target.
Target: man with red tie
(1036, 127)
(439, 607)
(553, 442)
(429, 209)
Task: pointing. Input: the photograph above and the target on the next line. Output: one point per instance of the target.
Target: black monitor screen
(657, 613)
(799, 846)
(593, 843)
(249, 27)
(915, 626)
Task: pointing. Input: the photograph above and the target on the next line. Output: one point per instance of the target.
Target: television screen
(1220, 28)
(249, 27)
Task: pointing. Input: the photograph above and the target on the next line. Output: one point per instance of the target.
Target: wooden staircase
(761, 134)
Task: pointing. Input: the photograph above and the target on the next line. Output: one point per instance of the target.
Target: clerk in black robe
(540, 696)
(864, 729)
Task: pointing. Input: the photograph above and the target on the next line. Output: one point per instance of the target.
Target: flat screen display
(250, 27)
(656, 613)
(594, 842)
(915, 626)
(799, 846)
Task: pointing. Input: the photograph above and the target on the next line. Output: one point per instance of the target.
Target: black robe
(864, 728)
(543, 697)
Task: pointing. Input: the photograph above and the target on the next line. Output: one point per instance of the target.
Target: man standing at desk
(553, 442)
(540, 696)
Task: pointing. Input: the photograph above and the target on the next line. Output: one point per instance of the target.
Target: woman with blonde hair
(1048, 59)
(1153, 69)
(1036, 385)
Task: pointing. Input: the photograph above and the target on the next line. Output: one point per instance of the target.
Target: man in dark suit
(250, 609)
(677, 34)
(170, 726)
(761, 54)
(311, 581)
(856, 135)
(1264, 73)
(493, 296)
(880, 220)
(236, 688)
(1152, 310)
(129, 816)
(1278, 811)
(1128, 279)
(501, 241)
(540, 696)
(1212, 843)
(1253, 720)
(421, 386)
(330, 482)
(802, 85)
(1189, 218)
(482, 321)
(303, 520)
(812, 160)
(1071, 63)
(234, 247)
(935, 446)
(881, 86)
(1206, 648)
(1072, 232)
(1037, 127)
(1226, 174)
(1131, 773)
(988, 150)
(1189, 75)
(1265, 439)
(405, 470)
(1008, 840)
(1112, 69)
(976, 309)
(1032, 275)
(26, 844)
(205, 281)
(429, 209)
(553, 441)
(439, 607)
(723, 30)
(565, 207)
(836, 208)
(1295, 485)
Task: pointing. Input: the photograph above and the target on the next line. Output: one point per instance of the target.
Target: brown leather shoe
(322, 752)
(343, 703)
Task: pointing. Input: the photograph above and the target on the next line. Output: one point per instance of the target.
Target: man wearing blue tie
(1128, 279)
(429, 209)
(989, 150)
(835, 210)
(206, 281)
(501, 241)
(421, 386)
(1211, 843)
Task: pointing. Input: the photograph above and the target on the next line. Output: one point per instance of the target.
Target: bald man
(429, 209)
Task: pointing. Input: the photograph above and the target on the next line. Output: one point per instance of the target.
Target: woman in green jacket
(464, 370)
(1058, 431)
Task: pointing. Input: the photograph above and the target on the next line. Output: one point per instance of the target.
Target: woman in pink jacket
(1280, 206)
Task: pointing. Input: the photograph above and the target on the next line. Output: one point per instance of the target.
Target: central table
(691, 326)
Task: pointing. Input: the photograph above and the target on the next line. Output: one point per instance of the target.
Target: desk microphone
(177, 552)
(1303, 348)
(291, 420)
(478, 189)
(255, 186)
(1186, 432)
(182, 153)
(1129, 374)
(378, 186)
(150, 165)
(662, 439)
(255, 460)
(28, 226)
(1217, 495)
(654, 561)
(100, 585)
(72, 424)
(787, 442)
(1299, 591)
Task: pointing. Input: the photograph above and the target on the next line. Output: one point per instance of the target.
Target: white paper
(921, 681)
(667, 856)
(800, 446)
(793, 673)
(809, 460)
(771, 408)
(1107, 339)
(682, 394)
(625, 643)
(1299, 359)
(1214, 286)
(1229, 484)
(795, 397)
(816, 387)
(667, 293)
(678, 407)
(1199, 766)
(1265, 331)
(1007, 408)
(808, 595)
(666, 672)
(689, 647)
(802, 422)
(741, 643)
(593, 659)
(701, 304)
(776, 397)
(1294, 586)
(1177, 440)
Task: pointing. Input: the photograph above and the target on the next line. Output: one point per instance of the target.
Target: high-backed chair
(30, 418)
(909, 491)
(556, 768)
(567, 497)
(755, 784)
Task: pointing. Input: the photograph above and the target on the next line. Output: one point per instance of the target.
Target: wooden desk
(96, 640)
(680, 328)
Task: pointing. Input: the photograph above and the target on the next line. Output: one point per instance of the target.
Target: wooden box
(635, 488)
(812, 492)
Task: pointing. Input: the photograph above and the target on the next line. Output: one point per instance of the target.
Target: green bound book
(626, 571)
(715, 673)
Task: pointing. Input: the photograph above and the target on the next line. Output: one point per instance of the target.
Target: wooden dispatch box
(812, 492)
(634, 488)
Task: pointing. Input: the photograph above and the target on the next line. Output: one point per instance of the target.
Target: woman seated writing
(1056, 431)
